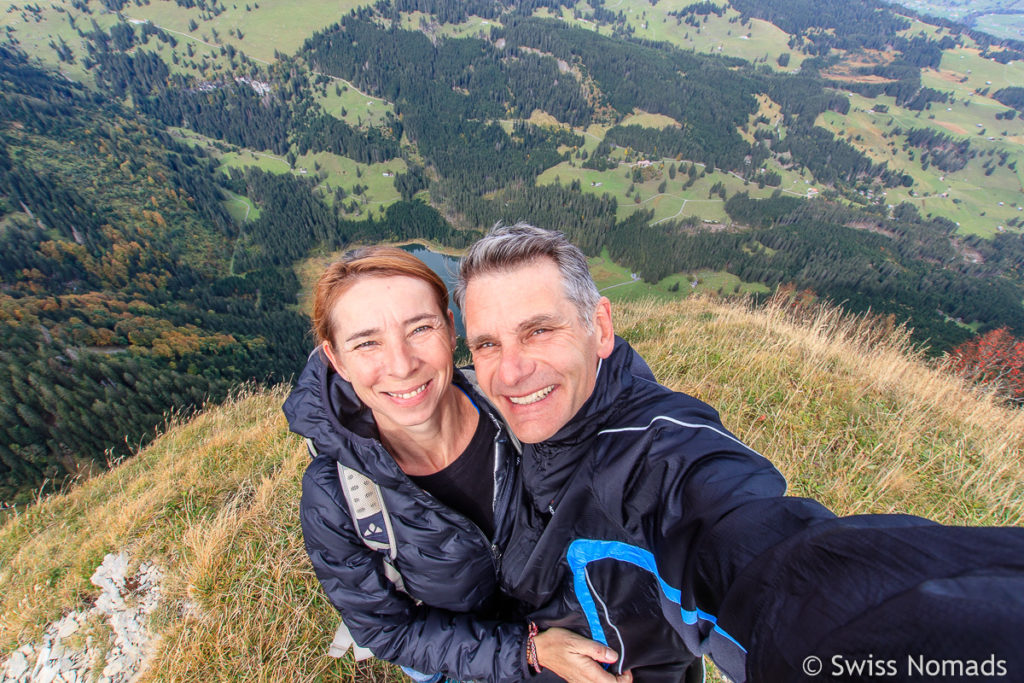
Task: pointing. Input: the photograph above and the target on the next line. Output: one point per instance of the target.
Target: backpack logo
(372, 530)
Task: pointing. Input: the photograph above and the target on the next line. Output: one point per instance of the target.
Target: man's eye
(539, 330)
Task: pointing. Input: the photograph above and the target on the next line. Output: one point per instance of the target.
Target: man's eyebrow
(478, 340)
(541, 320)
(369, 332)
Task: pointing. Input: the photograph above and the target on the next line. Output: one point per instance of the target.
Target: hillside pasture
(618, 284)
(675, 202)
(338, 171)
(346, 102)
(241, 208)
(35, 30)
(639, 117)
(717, 35)
(266, 25)
(257, 29)
(1002, 25)
(977, 209)
(472, 27)
(346, 173)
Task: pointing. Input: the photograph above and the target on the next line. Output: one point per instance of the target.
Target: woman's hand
(575, 658)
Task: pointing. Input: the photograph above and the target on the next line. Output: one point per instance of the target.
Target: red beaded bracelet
(532, 657)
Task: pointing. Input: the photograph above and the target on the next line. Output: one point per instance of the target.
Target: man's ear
(451, 329)
(603, 328)
(333, 359)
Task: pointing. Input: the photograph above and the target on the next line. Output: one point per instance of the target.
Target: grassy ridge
(215, 501)
(842, 407)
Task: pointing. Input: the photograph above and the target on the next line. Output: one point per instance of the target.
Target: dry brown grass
(842, 405)
(215, 503)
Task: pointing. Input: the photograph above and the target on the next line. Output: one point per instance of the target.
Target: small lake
(448, 268)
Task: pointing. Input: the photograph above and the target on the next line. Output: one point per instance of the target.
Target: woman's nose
(402, 359)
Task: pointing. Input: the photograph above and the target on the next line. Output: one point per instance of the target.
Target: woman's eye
(366, 345)
(422, 328)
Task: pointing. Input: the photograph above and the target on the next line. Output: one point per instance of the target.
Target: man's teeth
(532, 398)
(410, 394)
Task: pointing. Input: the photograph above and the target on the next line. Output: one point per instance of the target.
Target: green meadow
(346, 102)
(978, 202)
(618, 284)
(256, 28)
(715, 35)
(674, 202)
(473, 27)
(241, 208)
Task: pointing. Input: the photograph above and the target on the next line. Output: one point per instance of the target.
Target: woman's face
(395, 347)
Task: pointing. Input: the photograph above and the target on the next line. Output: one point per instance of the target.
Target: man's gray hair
(509, 246)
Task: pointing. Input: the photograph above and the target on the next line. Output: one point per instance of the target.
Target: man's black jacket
(649, 527)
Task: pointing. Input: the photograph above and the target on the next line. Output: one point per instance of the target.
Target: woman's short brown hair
(362, 263)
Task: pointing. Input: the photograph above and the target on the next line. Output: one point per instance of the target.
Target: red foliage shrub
(994, 359)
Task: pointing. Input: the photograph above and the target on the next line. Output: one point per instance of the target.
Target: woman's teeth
(410, 394)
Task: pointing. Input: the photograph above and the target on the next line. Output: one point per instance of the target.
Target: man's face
(534, 358)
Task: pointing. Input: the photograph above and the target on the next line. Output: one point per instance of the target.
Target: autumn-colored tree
(994, 359)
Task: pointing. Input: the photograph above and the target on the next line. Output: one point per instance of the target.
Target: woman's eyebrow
(421, 317)
(369, 332)
(362, 333)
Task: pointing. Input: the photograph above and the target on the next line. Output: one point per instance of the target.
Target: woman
(381, 396)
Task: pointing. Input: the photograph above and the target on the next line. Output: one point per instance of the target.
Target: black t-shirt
(467, 484)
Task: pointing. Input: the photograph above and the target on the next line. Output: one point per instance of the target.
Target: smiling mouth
(532, 398)
(409, 394)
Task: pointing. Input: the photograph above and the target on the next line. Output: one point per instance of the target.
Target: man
(649, 527)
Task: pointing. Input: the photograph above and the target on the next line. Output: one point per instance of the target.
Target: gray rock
(17, 665)
(67, 626)
(46, 675)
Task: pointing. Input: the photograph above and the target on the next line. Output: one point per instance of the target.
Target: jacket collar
(548, 465)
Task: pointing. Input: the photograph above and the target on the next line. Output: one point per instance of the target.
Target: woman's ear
(334, 360)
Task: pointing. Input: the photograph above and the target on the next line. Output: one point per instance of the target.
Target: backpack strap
(367, 509)
(369, 514)
(373, 524)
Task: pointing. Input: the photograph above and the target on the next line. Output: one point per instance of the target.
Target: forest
(128, 293)
(118, 305)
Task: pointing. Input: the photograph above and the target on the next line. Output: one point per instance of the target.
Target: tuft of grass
(214, 502)
(847, 409)
(844, 406)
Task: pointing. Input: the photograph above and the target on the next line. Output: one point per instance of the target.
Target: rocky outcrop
(107, 642)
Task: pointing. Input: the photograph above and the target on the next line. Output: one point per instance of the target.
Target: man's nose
(514, 366)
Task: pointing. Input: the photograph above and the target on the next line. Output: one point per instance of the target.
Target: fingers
(590, 671)
(600, 653)
(576, 659)
(625, 677)
(592, 648)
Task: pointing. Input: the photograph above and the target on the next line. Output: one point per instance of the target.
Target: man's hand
(575, 658)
